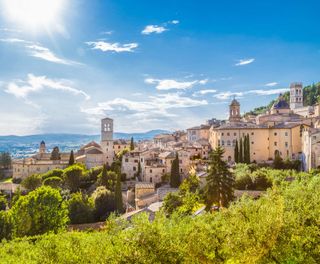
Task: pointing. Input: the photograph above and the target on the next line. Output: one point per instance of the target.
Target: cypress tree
(241, 151)
(118, 196)
(245, 152)
(175, 173)
(236, 152)
(248, 149)
(220, 181)
(132, 144)
(71, 158)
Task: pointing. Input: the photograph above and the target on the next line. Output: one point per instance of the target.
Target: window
(286, 134)
(228, 134)
(126, 160)
(275, 133)
(234, 134)
(228, 143)
(252, 133)
(222, 134)
(286, 144)
(150, 179)
(219, 142)
(134, 168)
(150, 171)
(234, 142)
(252, 143)
(222, 142)
(275, 143)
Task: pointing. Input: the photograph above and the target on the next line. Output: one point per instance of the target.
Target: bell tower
(107, 139)
(234, 111)
(296, 95)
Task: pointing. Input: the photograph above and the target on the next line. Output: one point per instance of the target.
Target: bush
(32, 182)
(53, 173)
(54, 182)
(104, 203)
(6, 225)
(3, 203)
(81, 209)
(41, 211)
(72, 177)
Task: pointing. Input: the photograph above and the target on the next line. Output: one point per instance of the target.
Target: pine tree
(236, 152)
(241, 151)
(139, 171)
(71, 158)
(132, 144)
(175, 173)
(118, 196)
(220, 181)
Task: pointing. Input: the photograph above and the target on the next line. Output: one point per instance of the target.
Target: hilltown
(290, 131)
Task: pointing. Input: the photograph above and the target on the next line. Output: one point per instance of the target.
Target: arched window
(228, 143)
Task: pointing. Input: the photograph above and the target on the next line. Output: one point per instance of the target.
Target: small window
(150, 171)
(228, 134)
(222, 142)
(286, 144)
(252, 133)
(252, 143)
(228, 143)
(275, 133)
(134, 168)
(234, 134)
(275, 143)
(286, 134)
(222, 134)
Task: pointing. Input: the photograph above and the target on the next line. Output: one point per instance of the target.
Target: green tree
(104, 203)
(171, 202)
(175, 173)
(220, 181)
(41, 211)
(118, 196)
(131, 144)
(190, 184)
(54, 182)
(32, 182)
(71, 158)
(278, 162)
(3, 203)
(103, 177)
(6, 225)
(138, 174)
(236, 152)
(53, 173)
(72, 177)
(248, 149)
(5, 160)
(241, 151)
(81, 208)
(55, 154)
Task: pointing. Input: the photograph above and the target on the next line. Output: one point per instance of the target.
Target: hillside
(311, 96)
(22, 146)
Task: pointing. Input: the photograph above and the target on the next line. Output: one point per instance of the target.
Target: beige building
(311, 148)
(266, 139)
(39, 163)
(198, 132)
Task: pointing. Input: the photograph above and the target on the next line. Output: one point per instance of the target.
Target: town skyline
(166, 66)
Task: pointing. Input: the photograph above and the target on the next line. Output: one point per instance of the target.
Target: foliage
(280, 227)
(32, 182)
(81, 208)
(3, 203)
(55, 154)
(54, 182)
(236, 152)
(41, 211)
(220, 181)
(72, 177)
(131, 144)
(5, 160)
(104, 203)
(171, 202)
(118, 196)
(6, 225)
(53, 173)
(175, 173)
(71, 158)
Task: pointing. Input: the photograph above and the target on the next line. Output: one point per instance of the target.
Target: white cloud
(153, 106)
(107, 32)
(153, 29)
(34, 84)
(38, 51)
(271, 84)
(113, 47)
(174, 21)
(244, 62)
(46, 54)
(269, 92)
(168, 84)
(204, 92)
(227, 95)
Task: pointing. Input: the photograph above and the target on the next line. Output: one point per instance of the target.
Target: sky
(166, 64)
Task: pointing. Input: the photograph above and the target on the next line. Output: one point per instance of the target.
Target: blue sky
(148, 64)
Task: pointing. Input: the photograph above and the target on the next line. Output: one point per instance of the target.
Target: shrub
(104, 203)
(81, 209)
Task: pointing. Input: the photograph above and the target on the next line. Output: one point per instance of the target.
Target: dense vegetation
(311, 96)
(283, 226)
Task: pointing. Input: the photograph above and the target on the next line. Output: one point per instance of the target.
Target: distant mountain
(23, 146)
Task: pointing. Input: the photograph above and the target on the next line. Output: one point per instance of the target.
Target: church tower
(42, 148)
(107, 139)
(234, 111)
(296, 95)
